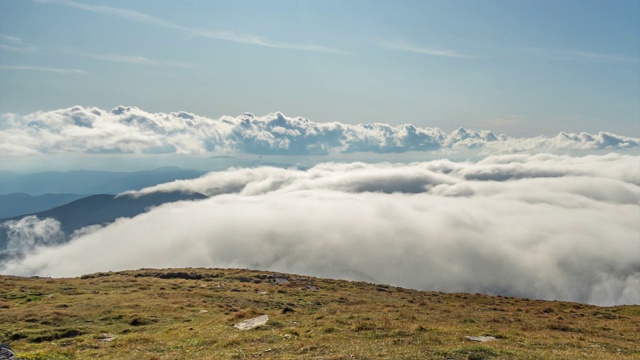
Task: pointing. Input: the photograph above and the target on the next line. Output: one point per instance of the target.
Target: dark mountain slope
(101, 209)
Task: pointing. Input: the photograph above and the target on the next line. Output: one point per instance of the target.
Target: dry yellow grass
(188, 313)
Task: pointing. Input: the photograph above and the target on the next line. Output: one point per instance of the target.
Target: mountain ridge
(189, 312)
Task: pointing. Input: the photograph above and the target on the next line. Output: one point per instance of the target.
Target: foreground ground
(188, 313)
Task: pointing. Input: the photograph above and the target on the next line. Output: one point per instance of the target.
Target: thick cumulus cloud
(543, 226)
(129, 130)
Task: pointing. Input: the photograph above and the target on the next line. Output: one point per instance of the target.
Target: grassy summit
(188, 313)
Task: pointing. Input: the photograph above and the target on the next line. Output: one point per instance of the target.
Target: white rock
(480, 338)
(252, 323)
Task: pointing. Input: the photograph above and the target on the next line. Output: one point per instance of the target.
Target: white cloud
(426, 50)
(581, 55)
(112, 11)
(219, 35)
(11, 39)
(134, 59)
(19, 49)
(15, 44)
(129, 130)
(25, 235)
(41, 69)
(538, 226)
(123, 59)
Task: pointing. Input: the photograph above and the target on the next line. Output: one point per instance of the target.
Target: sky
(524, 68)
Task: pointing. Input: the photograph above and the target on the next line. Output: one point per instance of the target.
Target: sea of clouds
(130, 130)
(529, 225)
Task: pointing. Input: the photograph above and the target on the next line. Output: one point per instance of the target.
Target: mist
(536, 226)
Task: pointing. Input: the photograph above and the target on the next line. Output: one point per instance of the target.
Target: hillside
(104, 208)
(98, 209)
(188, 313)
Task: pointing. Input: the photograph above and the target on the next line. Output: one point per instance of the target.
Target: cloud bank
(129, 130)
(537, 226)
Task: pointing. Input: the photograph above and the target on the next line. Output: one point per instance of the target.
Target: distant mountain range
(86, 182)
(91, 210)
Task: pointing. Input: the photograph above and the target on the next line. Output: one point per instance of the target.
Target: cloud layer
(129, 130)
(538, 226)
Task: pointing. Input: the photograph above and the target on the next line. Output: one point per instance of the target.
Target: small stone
(480, 338)
(204, 311)
(252, 323)
(6, 353)
(106, 337)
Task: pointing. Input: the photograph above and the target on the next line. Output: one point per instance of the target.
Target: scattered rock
(280, 280)
(480, 338)
(312, 288)
(106, 337)
(6, 353)
(204, 311)
(252, 323)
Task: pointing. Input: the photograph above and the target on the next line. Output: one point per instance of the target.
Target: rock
(106, 337)
(280, 280)
(252, 323)
(204, 311)
(480, 338)
(287, 310)
(6, 353)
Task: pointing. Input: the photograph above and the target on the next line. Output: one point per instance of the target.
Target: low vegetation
(189, 313)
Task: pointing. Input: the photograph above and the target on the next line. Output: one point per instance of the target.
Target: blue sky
(519, 67)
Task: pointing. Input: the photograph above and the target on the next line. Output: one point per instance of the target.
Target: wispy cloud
(219, 35)
(11, 39)
(135, 59)
(117, 12)
(606, 57)
(15, 44)
(42, 69)
(257, 40)
(580, 55)
(425, 50)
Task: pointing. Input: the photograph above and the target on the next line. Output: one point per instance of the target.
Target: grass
(188, 313)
